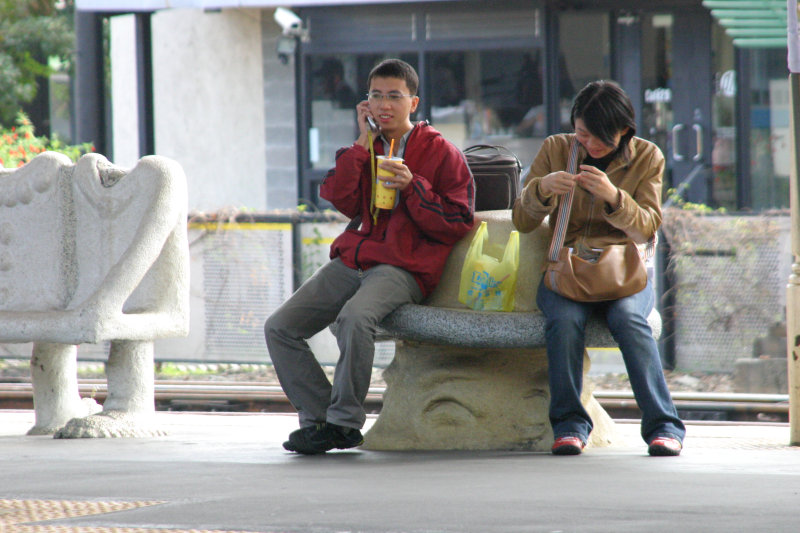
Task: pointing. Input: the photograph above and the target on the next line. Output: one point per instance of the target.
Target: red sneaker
(567, 446)
(664, 446)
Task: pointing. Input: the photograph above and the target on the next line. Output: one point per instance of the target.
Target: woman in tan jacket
(617, 199)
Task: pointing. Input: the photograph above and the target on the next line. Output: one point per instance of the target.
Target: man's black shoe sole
(306, 451)
(342, 445)
(334, 438)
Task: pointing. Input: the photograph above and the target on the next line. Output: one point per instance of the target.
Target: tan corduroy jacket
(592, 220)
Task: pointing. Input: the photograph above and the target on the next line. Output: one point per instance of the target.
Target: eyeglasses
(392, 98)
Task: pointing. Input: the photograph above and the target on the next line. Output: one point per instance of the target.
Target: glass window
(770, 146)
(446, 23)
(476, 97)
(585, 43)
(723, 116)
(657, 116)
(337, 83)
(489, 97)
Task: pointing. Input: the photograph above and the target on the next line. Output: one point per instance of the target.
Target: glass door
(688, 104)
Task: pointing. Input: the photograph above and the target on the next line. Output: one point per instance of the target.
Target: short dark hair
(396, 68)
(606, 110)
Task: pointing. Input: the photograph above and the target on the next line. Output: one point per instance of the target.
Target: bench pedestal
(459, 398)
(475, 380)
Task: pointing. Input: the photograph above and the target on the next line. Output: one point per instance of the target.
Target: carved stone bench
(90, 253)
(474, 380)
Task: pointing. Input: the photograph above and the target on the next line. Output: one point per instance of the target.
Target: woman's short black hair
(606, 110)
(396, 68)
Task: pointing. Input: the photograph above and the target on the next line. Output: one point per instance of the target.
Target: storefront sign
(727, 83)
(659, 94)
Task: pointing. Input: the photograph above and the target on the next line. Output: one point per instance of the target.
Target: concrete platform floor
(228, 472)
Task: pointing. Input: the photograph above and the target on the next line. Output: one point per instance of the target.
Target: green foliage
(19, 144)
(675, 198)
(31, 32)
(172, 370)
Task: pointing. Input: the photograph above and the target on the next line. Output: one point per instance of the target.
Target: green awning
(752, 23)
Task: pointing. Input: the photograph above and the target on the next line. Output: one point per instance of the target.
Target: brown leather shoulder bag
(615, 272)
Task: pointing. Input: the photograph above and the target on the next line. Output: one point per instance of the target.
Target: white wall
(125, 149)
(208, 103)
(280, 125)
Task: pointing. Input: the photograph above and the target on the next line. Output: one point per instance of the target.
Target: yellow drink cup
(384, 197)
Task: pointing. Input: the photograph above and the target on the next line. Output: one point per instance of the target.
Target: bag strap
(494, 149)
(489, 147)
(564, 208)
(560, 231)
(650, 249)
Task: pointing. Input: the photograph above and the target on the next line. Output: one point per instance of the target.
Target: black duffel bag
(497, 176)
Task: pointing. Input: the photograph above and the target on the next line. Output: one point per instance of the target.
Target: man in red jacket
(390, 258)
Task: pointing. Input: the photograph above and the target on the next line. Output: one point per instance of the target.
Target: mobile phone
(371, 124)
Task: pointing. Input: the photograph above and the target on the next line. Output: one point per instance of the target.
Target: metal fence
(726, 295)
(730, 289)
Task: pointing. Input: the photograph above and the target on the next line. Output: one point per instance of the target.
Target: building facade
(254, 110)
(255, 117)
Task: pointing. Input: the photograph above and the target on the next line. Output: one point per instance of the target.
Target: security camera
(287, 20)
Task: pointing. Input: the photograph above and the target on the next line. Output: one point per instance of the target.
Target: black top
(602, 163)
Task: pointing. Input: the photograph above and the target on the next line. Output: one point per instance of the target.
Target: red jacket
(434, 212)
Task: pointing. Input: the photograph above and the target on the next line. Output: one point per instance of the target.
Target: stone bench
(92, 253)
(475, 380)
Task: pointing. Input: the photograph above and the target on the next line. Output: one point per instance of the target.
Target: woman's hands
(597, 183)
(557, 183)
(592, 179)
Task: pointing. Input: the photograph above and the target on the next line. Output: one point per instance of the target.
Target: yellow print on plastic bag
(487, 282)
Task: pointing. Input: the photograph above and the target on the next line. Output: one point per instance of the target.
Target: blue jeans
(627, 322)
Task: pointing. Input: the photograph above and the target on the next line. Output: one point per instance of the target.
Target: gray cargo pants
(354, 302)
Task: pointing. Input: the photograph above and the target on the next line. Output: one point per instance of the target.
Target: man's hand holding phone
(365, 123)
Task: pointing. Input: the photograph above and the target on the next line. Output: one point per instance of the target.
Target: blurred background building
(254, 105)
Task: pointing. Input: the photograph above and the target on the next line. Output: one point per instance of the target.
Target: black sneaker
(310, 440)
(343, 437)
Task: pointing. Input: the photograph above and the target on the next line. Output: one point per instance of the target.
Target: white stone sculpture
(90, 252)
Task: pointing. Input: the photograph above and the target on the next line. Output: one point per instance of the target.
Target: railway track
(237, 396)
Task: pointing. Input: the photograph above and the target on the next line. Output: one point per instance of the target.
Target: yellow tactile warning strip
(25, 516)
